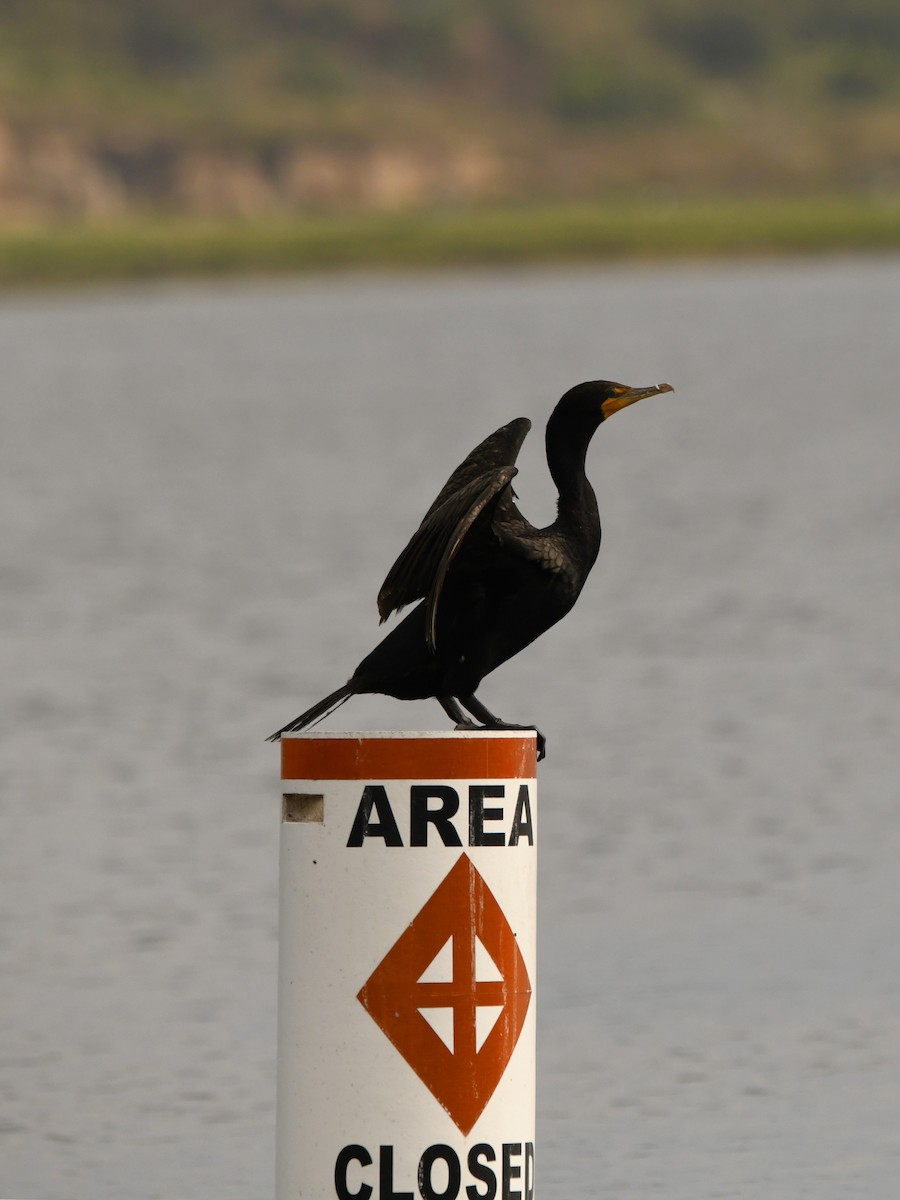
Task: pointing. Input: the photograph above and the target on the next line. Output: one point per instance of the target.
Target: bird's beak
(623, 396)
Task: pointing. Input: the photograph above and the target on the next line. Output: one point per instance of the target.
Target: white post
(406, 1012)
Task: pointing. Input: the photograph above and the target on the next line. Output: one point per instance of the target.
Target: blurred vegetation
(397, 130)
(155, 248)
(268, 67)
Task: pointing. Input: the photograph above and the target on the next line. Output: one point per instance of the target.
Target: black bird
(488, 581)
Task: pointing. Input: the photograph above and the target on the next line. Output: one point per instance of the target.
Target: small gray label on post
(303, 806)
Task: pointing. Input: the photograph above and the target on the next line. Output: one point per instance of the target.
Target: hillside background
(249, 107)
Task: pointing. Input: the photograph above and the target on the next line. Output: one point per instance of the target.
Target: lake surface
(202, 488)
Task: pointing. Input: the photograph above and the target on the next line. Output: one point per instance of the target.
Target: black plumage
(488, 582)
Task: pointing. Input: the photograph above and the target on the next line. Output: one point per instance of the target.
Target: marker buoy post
(406, 1013)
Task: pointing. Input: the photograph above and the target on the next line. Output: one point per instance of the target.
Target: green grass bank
(183, 247)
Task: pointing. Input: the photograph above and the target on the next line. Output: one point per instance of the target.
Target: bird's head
(600, 398)
(578, 416)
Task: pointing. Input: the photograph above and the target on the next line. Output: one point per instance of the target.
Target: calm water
(201, 489)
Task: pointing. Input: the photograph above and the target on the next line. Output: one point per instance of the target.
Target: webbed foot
(488, 720)
(541, 740)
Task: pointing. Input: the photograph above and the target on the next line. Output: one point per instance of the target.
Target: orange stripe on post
(488, 755)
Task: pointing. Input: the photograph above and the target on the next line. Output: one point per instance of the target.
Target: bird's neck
(577, 510)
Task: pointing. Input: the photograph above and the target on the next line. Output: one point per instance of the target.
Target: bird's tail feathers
(317, 713)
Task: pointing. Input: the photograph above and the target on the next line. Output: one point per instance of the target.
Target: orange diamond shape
(463, 912)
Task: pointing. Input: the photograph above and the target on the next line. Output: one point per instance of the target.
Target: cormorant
(488, 581)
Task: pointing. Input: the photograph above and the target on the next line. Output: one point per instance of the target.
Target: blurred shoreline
(150, 139)
(179, 247)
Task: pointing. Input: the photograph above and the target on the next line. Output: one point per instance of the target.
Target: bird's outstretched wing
(500, 449)
(471, 491)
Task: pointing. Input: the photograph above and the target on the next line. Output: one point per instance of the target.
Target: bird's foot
(541, 740)
(488, 720)
(541, 745)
